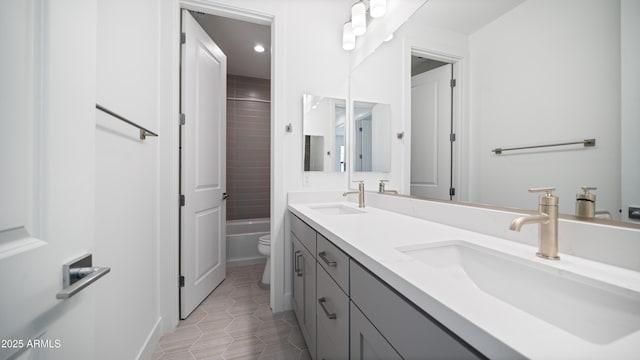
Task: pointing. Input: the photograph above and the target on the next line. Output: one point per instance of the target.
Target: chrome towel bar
(585, 142)
(143, 132)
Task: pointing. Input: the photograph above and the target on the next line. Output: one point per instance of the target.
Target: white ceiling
(463, 16)
(237, 38)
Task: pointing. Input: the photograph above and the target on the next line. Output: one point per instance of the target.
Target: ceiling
(463, 16)
(237, 38)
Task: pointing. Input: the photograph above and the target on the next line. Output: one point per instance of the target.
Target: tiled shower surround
(248, 147)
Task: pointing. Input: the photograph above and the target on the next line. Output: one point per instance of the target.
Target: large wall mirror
(527, 73)
(323, 122)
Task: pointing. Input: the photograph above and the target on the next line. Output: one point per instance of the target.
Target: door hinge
(181, 281)
(452, 191)
(183, 38)
(453, 83)
(452, 137)
(181, 200)
(182, 119)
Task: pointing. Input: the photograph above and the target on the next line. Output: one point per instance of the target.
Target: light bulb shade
(359, 18)
(348, 37)
(377, 8)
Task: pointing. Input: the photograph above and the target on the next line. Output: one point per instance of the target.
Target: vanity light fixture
(258, 48)
(348, 37)
(377, 8)
(359, 18)
(357, 26)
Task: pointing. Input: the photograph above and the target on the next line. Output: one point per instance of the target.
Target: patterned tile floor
(235, 322)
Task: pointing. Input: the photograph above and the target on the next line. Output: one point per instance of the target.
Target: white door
(430, 129)
(47, 127)
(203, 175)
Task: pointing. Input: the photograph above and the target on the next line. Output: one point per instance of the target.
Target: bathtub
(242, 240)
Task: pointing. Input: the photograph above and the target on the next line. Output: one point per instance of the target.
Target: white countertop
(492, 326)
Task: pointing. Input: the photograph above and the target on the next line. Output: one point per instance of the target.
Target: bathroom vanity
(373, 283)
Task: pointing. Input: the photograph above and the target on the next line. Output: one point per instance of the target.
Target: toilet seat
(265, 240)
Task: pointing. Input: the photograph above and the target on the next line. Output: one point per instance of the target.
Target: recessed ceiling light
(258, 48)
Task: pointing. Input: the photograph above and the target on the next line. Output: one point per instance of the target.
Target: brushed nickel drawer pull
(297, 268)
(295, 262)
(323, 256)
(300, 271)
(330, 315)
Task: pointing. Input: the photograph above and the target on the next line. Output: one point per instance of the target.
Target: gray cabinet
(344, 311)
(332, 313)
(304, 292)
(412, 334)
(366, 342)
(334, 261)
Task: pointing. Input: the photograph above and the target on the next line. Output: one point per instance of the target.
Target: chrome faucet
(548, 220)
(382, 190)
(360, 193)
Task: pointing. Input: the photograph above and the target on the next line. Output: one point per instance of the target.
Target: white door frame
(460, 112)
(168, 190)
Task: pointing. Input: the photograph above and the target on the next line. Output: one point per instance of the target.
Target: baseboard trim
(149, 346)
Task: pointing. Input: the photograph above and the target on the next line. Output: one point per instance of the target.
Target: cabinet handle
(295, 262)
(330, 315)
(300, 271)
(301, 268)
(323, 256)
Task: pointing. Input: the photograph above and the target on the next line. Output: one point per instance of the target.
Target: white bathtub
(242, 240)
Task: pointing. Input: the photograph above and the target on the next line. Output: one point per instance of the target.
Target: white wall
(127, 302)
(547, 71)
(630, 78)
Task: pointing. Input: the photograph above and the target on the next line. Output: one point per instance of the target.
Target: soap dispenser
(586, 202)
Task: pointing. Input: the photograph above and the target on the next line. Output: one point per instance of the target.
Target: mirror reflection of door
(339, 150)
(431, 126)
(363, 143)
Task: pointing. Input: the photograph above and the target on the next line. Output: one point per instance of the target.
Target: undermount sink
(587, 308)
(336, 209)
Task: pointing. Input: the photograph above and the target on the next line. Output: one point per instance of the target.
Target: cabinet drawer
(332, 309)
(304, 233)
(334, 261)
(413, 334)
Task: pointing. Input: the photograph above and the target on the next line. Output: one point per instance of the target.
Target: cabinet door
(366, 342)
(309, 273)
(298, 281)
(304, 292)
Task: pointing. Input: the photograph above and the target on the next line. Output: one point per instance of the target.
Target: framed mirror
(372, 136)
(323, 128)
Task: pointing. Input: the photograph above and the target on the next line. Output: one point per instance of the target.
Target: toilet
(264, 248)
